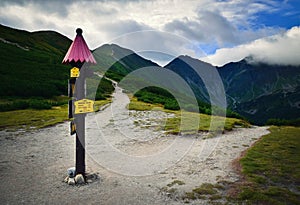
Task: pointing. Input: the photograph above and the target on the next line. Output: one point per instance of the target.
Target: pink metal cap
(79, 51)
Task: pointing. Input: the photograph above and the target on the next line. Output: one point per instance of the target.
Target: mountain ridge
(257, 91)
(250, 87)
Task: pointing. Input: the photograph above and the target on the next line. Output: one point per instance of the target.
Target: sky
(216, 31)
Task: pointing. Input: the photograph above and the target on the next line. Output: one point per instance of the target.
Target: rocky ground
(129, 159)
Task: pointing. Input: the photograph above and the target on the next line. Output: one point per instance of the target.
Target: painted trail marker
(74, 72)
(79, 57)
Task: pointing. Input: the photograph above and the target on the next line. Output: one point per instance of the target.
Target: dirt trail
(133, 159)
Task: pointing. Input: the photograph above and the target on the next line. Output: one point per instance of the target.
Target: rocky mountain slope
(257, 91)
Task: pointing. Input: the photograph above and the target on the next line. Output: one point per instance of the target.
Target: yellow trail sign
(84, 106)
(74, 72)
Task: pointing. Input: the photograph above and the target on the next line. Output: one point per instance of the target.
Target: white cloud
(204, 22)
(280, 49)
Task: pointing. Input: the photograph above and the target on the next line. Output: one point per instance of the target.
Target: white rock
(71, 172)
(66, 179)
(71, 181)
(79, 179)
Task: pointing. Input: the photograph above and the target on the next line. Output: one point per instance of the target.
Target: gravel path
(133, 159)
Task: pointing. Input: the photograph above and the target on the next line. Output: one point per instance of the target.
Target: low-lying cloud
(280, 49)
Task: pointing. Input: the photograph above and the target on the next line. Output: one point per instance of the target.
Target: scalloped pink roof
(79, 51)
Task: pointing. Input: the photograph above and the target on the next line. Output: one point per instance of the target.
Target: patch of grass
(34, 119)
(189, 195)
(186, 122)
(205, 189)
(100, 103)
(171, 192)
(272, 168)
(142, 106)
(175, 182)
(215, 197)
(29, 118)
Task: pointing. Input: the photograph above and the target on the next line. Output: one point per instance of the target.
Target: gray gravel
(133, 159)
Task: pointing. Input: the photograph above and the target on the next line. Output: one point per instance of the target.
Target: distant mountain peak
(189, 61)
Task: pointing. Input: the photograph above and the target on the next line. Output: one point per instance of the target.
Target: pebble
(66, 179)
(79, 179)
(71, 181)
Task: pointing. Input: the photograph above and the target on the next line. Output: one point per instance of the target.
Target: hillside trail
(134, 159)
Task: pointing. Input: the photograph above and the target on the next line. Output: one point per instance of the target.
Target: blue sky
(287, 16)
(211, 30)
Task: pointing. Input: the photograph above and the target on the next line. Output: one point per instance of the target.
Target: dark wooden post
(78, 56)
(80, 122)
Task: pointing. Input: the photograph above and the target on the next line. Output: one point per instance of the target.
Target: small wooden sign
(84, 106)
(74, 72)
(72, 128)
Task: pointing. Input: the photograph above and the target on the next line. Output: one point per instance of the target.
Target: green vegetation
(10, 104)
(31, 119)
(33, 67)
(170, 189)
(98, 88)
(141, 106)
(34, 118)
(116, 62)
(205, 191)
(174, 125)
(280, 122)
(272, 169)
(33, 76)
(155, 95)
(175, 182)
(100, 103)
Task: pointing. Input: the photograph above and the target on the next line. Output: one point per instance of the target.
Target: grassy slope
(35, 70)
(34, 83)
(272, 169)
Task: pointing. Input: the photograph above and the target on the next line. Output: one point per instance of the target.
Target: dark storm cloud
(61, 8)
(57, 7)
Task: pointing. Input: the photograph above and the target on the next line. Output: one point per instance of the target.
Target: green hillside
(31, 63)
(31, 73)
(116, 62)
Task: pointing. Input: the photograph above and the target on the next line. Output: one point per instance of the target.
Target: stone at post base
(71, 172)
(66, 179)
(79, 179)
(71, 181)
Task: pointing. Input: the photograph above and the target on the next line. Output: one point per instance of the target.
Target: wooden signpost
(78, 56)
